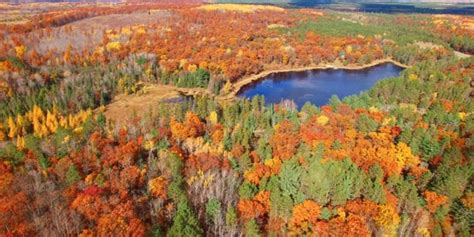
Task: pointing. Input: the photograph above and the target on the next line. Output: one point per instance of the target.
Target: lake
(317, 86)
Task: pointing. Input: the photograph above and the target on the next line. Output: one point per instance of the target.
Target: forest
(396, 160)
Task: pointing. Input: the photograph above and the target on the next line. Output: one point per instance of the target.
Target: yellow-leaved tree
(20, 51)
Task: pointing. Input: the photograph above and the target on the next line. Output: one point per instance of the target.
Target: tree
(185, 222)
(72, 175)
(251, 229)
(254, 208)
(67, 54)
(365, 124)
(388, 219)
(13, 205)
(20, 51)
(305, 217)
(290, 180)
(333, 181)
(190, 127)
(213, 208)
(434, 200)
(158, 187)
(121, 221)
(285, 140)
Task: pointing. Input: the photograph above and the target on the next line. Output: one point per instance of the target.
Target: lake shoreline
(154, 93)
(237, 86)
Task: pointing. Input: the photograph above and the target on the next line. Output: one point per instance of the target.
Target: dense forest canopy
(396, 160)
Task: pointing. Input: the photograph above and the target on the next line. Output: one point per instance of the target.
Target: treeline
(398, 36)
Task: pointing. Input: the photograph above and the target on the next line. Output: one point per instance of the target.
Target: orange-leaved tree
(304, 218)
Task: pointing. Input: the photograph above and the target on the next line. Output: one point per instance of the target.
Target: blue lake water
(317, 86)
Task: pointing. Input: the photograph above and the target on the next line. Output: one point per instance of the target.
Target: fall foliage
(395, 160)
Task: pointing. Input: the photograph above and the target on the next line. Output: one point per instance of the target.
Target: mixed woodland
(396, 160)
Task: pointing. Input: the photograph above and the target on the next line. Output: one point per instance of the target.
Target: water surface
(317, 86)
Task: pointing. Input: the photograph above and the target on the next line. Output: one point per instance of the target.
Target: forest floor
(141, 103)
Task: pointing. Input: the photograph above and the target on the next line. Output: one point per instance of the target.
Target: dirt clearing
(124, 106)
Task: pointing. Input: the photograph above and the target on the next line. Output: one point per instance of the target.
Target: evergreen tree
(185, 222)
(366, 124)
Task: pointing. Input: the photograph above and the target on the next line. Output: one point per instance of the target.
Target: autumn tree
(304, 218)
(285, 140)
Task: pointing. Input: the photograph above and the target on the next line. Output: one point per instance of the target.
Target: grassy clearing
(240, 8)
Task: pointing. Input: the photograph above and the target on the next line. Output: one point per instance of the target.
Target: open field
(239, 8)
(88, 33)
(124, 107)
